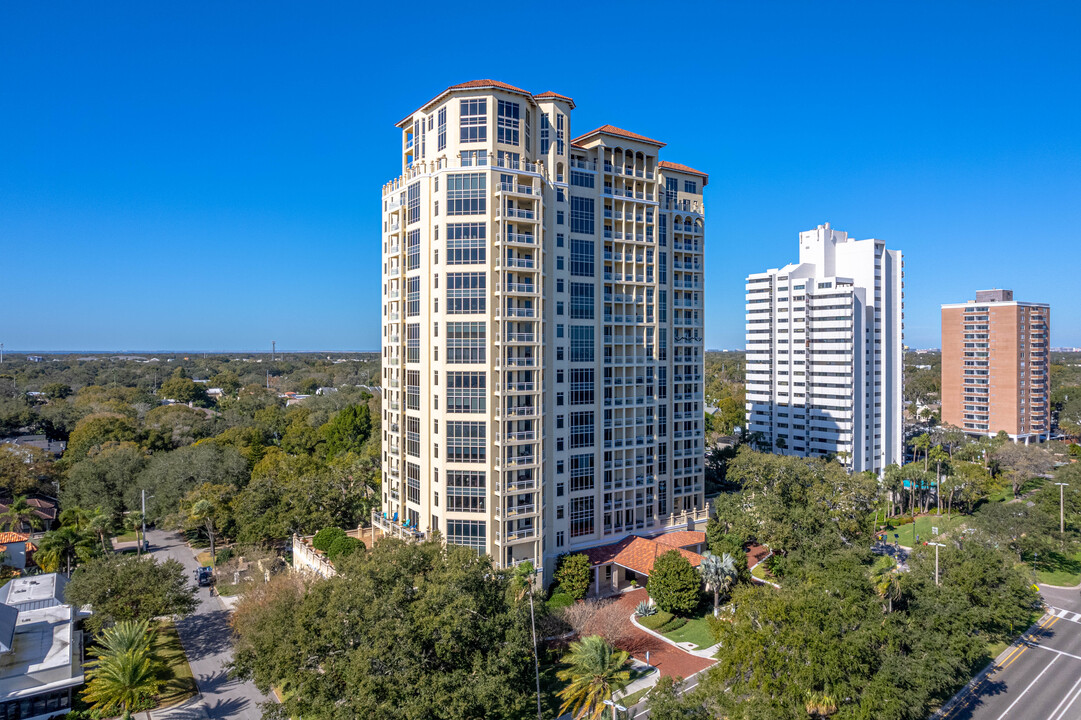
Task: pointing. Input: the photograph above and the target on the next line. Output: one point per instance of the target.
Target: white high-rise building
(542, 330)
(824, 352)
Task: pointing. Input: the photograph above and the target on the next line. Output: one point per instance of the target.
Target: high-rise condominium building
(995, 365)
(542, 329)
(824, 352)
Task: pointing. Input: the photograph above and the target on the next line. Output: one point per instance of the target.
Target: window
(560, 132)
(581, 516)
(528, 139)
(465, 293)
(466, 194)
(466, 442)
(559, 285)
(581, 300)
(472, 120)
(412, 342)
(690, 186)
(412, 390)
(545, 128)
(581, 257)
(559, 239)
(582, 179)
(559, 334)
(474, 157)
(507, 123)
(441, 138)
(581, 343)
(465, 342)
(466, 491)
(581, 429)
(581, 472)
(559, 307)
(412, 250)
(664, 231)
(412, 438)
(582, 386)
(466, 243)
(412, 297)
(413, 203)
(582, 215)
(412, 483)
(465, 392)
(470, 533)
(559, 217)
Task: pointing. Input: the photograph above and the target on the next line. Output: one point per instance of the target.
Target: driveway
(206, 638)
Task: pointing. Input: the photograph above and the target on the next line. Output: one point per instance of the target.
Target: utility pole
(1, 353)
(937, 546)
(1061, 511)
(144, 513)
(536, 660)
(273, 349)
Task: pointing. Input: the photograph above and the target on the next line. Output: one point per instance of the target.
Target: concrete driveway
(206, 638)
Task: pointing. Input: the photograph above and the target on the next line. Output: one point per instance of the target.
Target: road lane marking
(1069, 615)
(1059, 652)
(1025, 691)
(1064, 699)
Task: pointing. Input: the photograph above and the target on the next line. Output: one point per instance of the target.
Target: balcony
(520, 312)
(519, 263)
(516, 239)
(515, 189)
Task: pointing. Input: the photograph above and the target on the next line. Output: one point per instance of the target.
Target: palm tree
(125, 672)
(719, 574)
(20, 513)
(595, 674)
(59, 547)
(101, 525)
(887, 584)
(820, 705)
(134, 521)
(76, 517)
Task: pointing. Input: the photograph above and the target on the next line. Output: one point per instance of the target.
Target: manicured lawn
(924, 525)
(181, 685)
(696, 631)
(761, 572)
(126, 537)
(634, 698)
(1059, 569)
(204, 559)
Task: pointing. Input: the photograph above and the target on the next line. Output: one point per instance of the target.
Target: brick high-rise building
(542, 330)
(995, 357)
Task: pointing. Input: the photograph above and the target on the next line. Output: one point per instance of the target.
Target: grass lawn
(696, 631)
(180, 685)
(1059, 569)
(129, 536)
(761, 572)
(204, 559)
(924, 525)
(634, 698)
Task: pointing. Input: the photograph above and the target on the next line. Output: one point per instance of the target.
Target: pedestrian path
(1070, 615)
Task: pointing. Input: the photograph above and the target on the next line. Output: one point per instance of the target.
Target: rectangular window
(581, 343)
(467, 194)
(581, 516)
(412, 250)
(466, 243)
(528, 130)
(545, 128)
(473, 120)
(412, 438)
(412, 390)
(412, 297)
(466, 442)
(412, 342)
(441, 137)
(690, 186)
(413, 203)
(465, 342)
(581, 300)
(582, 179)
(466, 491)
(582, 386)
(412, 483)
(582, 215)
(581, 429)
(470, 533)
(561, 120)
(581, 257)
(507, 122)
(465, 293)
(581, 472)
(465, 392)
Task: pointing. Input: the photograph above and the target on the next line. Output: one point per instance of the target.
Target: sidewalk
(670, 659)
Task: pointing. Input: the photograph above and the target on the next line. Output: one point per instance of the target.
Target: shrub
(645, 609)
(674, 583)
(326, 537)
(573, 575)
(657, 620)
(674, 624)
(559, 600)
(224, 556)
(343, 547)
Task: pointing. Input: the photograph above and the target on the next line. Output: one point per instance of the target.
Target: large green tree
(418, 631)
(127, 587)
(674, 584)
(104, 479)
(169, 476)
(348, 430)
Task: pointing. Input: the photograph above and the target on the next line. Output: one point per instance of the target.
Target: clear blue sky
(206, 176)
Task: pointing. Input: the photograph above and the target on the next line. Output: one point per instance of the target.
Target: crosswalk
(1065, 614)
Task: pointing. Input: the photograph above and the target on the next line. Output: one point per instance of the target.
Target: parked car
(204, 576)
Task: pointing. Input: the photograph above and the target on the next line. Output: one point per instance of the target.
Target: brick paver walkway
(667, 658)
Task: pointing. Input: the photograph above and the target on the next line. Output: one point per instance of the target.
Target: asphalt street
(206, 638)
(1038, 677)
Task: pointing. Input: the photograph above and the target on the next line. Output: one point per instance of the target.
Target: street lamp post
(615, 706)
(937, 546)
(1061, 512)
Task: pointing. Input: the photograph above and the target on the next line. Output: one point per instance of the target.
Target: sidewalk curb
(706, 654)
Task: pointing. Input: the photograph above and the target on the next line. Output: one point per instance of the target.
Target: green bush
(343, 546)
(574, 575)
(224, 556)
(326, 537)
(657, 620)
(559, 600)
(674, 624)
(674, 584)
(645, 609)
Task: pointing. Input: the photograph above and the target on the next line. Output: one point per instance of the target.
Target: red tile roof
(619, 132)
(470, 85)
(681, 168)
(550, 94)
(12, 537)
(636, 553)
(682, 538)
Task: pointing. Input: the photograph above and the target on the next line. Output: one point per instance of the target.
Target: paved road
(641, 711)
(206, 639)
(1037, 678)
